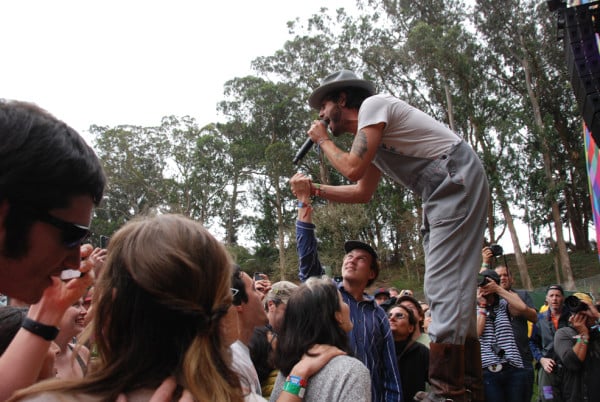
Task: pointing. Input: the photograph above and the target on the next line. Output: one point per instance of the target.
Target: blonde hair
(158, 304)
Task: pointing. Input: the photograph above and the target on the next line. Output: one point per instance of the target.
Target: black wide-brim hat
(338, 80)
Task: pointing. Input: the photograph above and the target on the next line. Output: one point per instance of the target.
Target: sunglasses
(397, 316)
(72, 234)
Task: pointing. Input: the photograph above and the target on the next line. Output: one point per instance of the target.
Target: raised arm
(530, 312)
(516, 306)
(306, 241)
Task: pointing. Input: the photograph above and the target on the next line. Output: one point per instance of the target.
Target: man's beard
(335, 117)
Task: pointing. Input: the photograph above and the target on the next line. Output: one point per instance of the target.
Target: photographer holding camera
(519, 323)
(504, 376)
(578, 348)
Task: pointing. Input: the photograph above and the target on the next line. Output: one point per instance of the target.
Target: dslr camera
(497, 250)
(575, 305)
(487, 276)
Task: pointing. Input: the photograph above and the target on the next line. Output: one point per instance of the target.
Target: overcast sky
(133, 62)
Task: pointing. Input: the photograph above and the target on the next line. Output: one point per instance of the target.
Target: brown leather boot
(473, 370)
(446, 374)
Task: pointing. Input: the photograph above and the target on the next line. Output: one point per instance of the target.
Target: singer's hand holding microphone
(309, 142)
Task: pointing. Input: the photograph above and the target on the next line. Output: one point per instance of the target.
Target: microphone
(305, 147)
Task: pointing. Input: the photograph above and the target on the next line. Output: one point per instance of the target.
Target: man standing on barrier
(415, 150)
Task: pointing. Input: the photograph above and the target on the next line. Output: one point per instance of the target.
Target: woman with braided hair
(158, 306)
(162, 316)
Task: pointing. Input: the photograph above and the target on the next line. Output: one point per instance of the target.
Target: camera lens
(575, 305)
(497, 250)
(483, 280)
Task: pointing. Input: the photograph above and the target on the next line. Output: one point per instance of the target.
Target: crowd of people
(164, 312)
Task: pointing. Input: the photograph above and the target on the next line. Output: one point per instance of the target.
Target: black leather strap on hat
(48, 332)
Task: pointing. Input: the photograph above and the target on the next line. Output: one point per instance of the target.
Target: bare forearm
(580, 348)
(21, 363)
(305, 212)
(480, 323)
(515, 304)
(343, 162)
(530, 314)
(349, 194)
(361, 192)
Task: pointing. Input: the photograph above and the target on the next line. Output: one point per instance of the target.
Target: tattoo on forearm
(359, 146)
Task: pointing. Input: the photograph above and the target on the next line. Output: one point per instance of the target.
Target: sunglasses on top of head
(72, 234)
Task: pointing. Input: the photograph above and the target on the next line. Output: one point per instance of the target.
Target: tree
(513, 32)
(199, 169)
(271, 113)
(134, 159)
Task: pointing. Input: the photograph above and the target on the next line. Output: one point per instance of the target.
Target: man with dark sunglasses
(50, 180)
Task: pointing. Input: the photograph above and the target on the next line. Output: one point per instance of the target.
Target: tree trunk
(450, 107)
(280, 231)
(563, 255)
(230, 235)
(519, 257)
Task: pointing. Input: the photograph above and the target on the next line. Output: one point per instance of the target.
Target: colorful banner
(592, 155)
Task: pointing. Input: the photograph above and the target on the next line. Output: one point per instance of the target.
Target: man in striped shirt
(504, 376)
(371, 338)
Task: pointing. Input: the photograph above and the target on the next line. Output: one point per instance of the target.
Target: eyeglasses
(397, 316)
(234, 292)
(72, 234)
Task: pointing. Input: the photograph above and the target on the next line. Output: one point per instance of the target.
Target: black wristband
(48, 332)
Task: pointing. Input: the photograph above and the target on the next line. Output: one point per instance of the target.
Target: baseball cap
(354, 244)
(584, 297)
(381, 291)
(555, 287)
(489, 273)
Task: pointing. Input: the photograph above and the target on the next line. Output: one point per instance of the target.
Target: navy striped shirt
(371, 338)
(498, 330)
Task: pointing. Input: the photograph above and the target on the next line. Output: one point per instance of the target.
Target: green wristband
(294, 389)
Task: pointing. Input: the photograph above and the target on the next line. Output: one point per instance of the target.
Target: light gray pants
(455, 195)
(454, 221)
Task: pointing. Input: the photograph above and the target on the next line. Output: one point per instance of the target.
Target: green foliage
(541, 269)
(494, 73)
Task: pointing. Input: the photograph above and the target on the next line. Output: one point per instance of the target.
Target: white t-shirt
(408, 131)
(243, 366)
